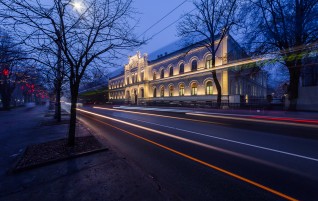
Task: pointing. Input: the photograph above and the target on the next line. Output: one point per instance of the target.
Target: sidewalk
(99, 176)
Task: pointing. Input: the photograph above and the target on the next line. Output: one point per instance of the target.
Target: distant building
(182, 75)
(94, 92)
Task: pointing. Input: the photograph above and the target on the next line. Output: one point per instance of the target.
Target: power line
(163, 17)
(170, 25)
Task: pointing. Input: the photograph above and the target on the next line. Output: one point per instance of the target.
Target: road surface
(199, 156)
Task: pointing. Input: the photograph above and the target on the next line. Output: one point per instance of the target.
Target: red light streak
(287, 119)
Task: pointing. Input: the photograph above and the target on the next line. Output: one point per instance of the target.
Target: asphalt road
(214, 157)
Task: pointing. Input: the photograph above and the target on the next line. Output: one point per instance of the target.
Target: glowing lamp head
(78, 6)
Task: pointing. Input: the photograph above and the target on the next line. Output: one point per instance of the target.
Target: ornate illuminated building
(174, 75)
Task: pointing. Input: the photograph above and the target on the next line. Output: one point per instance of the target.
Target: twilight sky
(152, 11)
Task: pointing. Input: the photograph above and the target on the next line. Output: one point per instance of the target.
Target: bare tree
(208, 26)
(13, 70)
(52, 63)
(88, 34)
(286, 28)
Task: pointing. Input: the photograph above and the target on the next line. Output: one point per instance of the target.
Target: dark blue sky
(152, 11)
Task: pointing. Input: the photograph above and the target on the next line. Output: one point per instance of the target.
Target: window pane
(181, 90)
(181, 69)
(208, 62)
(209, 88)
(162, 73)
(171, 91)
(194, 89)
(194, 66)
(162, 92)
(154, 92)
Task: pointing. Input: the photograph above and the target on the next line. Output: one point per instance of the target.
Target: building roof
(116, 73)
(179, 46)
(168, 49)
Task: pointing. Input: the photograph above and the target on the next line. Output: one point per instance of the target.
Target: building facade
(308, 85)
(183, 76)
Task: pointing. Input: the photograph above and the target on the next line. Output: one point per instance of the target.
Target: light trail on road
(252, 120)
(183, 154)
(158, 115)
(233, 141)
(182, 139)
(211, 136)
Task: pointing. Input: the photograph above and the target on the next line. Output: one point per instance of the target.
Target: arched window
(194, 65)
(128, 95)
(181, 90)
(208, 62)
(162, 73)
(154, 76)
(170, 90)
(208, 88)
(181, 68)
(162, 91)
(194, 89)
(142, 92)
(171, 71)
(154, 92)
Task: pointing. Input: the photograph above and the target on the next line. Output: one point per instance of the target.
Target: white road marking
(194, 142)
(198, 143)
(233, 141)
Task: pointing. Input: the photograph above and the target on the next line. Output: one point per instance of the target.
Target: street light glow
(78, 6)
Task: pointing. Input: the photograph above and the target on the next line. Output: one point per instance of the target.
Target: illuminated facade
(183, 75)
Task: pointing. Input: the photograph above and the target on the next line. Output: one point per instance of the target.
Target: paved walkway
(99, 176)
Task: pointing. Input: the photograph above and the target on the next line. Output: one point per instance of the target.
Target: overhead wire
(165, 16)
(159, 32)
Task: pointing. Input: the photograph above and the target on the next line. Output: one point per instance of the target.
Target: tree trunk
(72, 127)
(58, 102)
(5, 95)
(216, 82)
(218, 89)
(6, 99)
(58, 83)
(294, 67)
(294, 74)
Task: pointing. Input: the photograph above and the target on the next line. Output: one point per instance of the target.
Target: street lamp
(78, 6)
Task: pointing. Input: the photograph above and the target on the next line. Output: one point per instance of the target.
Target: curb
(18, 170)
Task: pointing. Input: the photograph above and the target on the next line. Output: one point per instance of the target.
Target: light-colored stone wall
(138, 65)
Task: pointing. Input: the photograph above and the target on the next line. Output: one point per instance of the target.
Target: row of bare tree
(71, 37)
(15, 72)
